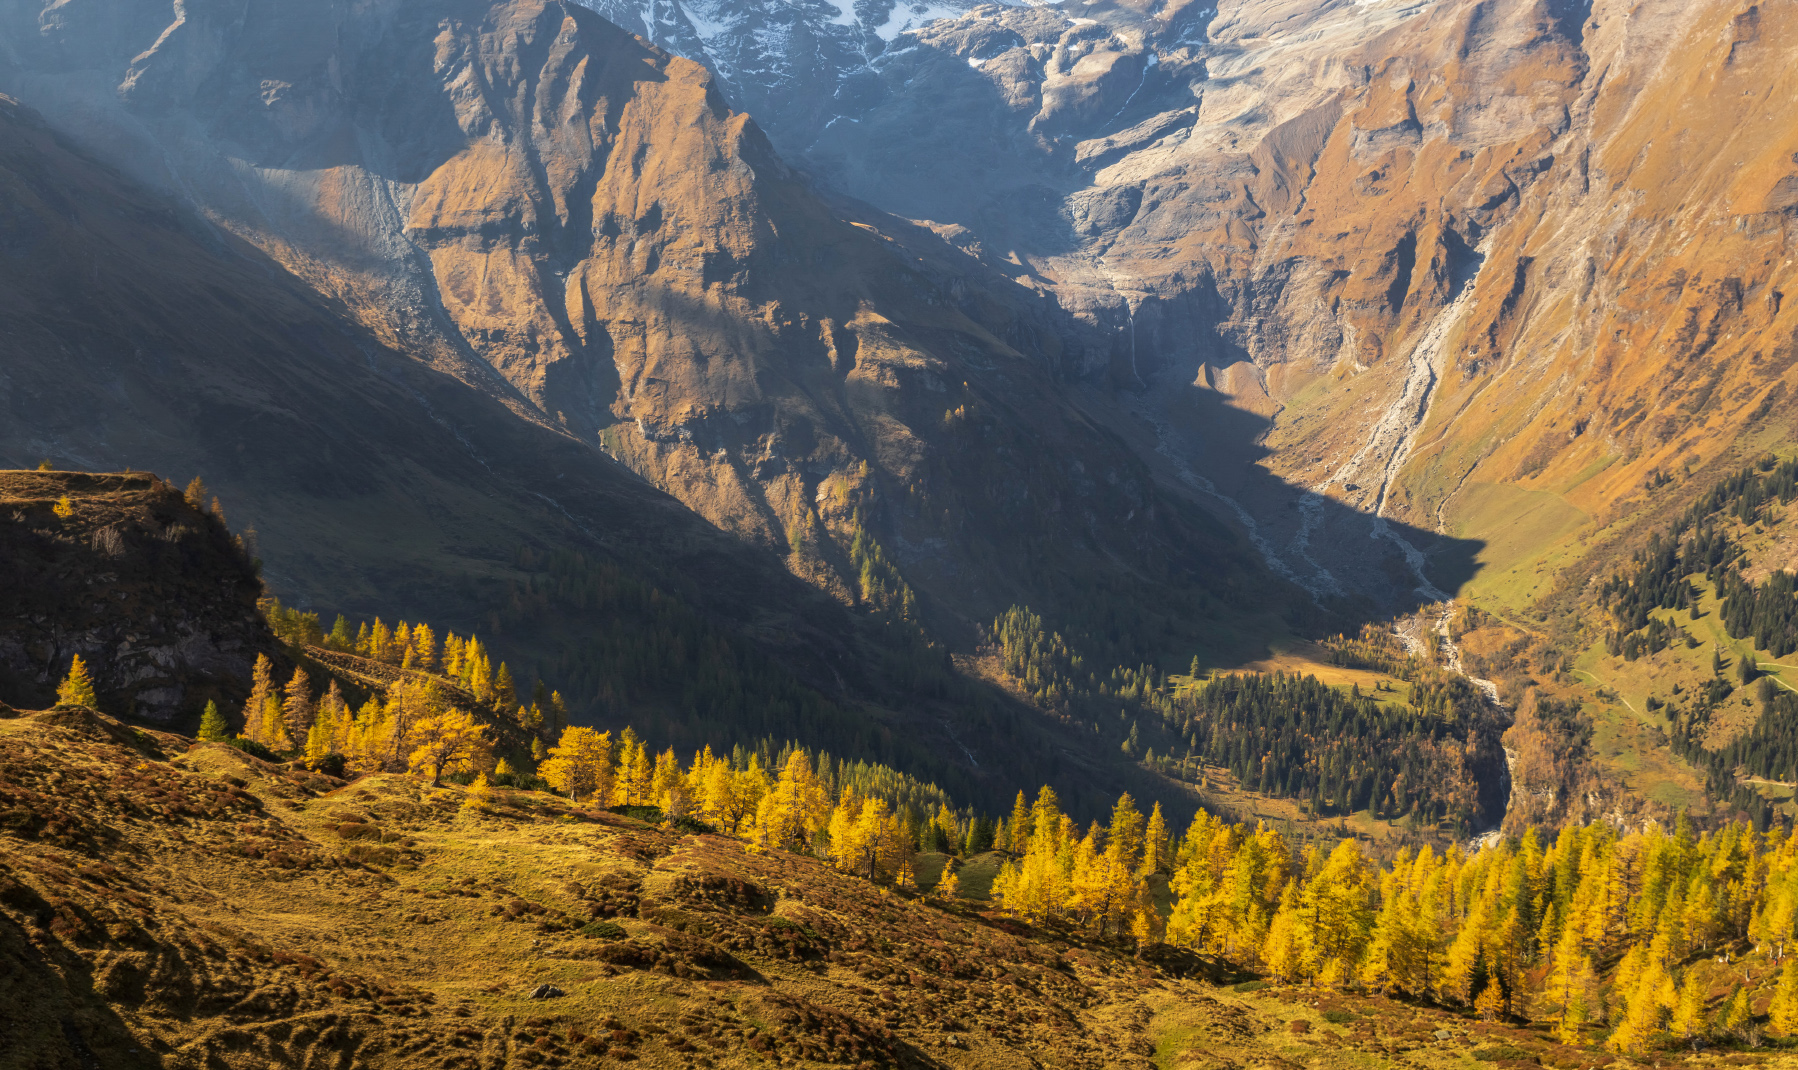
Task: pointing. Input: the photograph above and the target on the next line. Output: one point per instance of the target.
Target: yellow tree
(78, 687)
(1565, 996)
(1284, 951)
(450, 739)
(1782, 1014)
(424, 648)
(480, 795)
(1650, 996)
(946, 830)
(748, 786)
(580, 764)
(320, 736)
(1018, 829)
(1126, 831)
(1335, 915)
(881, 841)
(365, 745)
(635, 773)
(668, 786)
(789, 816)
(335, 713)
(1490, 1004)
(845, 849)
(454, 653)
(1154, 844)
(1688, 1014)
(296, 705)
(408, 703)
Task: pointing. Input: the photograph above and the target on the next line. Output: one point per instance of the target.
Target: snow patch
(916, 15)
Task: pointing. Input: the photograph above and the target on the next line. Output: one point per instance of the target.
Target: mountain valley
(1360, 432)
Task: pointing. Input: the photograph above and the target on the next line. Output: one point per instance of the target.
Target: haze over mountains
(1184, 326)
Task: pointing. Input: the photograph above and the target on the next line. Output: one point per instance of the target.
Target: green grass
(1529, 536)
(977, 873)
(928, 865)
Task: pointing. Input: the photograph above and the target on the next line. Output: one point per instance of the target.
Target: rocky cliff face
(150, 591)
(136, 335)
(1351, 277)
(575, 223)
(1485, 268)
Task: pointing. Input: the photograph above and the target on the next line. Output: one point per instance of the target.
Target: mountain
(574, 223)
(1483, 269)
(135, 332)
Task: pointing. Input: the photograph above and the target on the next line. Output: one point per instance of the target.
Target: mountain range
(1198, 331)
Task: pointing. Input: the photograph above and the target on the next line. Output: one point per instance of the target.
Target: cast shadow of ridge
(1358, 566)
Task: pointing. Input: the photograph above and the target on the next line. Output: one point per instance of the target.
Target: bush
(331, 765)
(694, 826)
(252, 748)
(648, 814)
(1250, 986)
(778, 922)
(1500, 1053)
(603, 930)
(1338, 1017)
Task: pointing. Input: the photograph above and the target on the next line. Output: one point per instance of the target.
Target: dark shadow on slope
(1209, 450)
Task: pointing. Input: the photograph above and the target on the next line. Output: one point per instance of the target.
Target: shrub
(1250, 986)
(330, 765)
(253, 748)
(1499, 1053)
(603, 930)
(1338, 1017)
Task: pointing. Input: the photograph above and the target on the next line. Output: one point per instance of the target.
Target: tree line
(1696, 543)
(1629, 937)
(1288, 735)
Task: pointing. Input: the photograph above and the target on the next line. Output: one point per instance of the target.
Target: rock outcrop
(154, 594)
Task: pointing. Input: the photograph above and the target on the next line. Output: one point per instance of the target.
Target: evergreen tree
(212, 724)
(77, 688)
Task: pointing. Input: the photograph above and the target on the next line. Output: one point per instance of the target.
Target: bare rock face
(151, 592)
(555, 212)
(1436, 255)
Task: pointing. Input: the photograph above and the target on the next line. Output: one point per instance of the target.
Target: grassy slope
(168, 920)
(1537, 537)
